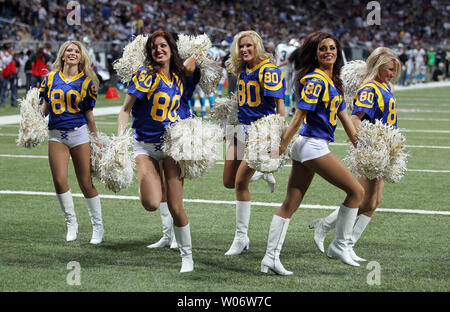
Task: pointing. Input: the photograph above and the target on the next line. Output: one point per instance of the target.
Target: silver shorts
(70, 138)
(307, 148)
(153, 150)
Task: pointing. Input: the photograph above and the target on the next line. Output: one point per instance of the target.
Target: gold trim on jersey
(325, 76)
(50, 83)
(136, 82)
(66, 80)
(154, 85)
(266, 64)
(375, 85)
(84, 88)
(251, 70)
(322, 76)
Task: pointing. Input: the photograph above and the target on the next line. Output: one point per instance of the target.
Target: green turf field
(408, 248)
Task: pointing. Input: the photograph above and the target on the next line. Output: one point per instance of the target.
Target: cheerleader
(373, 101)
(191, 81)
(153, 99)
(321, 103)
(69, 94)
(260, 92)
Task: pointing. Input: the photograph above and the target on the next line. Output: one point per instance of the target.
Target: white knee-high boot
(339, 248)
(167, 228)
(277, 234)
(183, 237)
(321, 228)
(360, 225)
(241, 240)
(95, 212)
(67, 207)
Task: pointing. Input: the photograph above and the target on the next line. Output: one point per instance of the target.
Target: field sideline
(407, 238)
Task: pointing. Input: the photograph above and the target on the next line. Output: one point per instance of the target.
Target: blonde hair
(235, 63)
(378, 58)
(85, 64)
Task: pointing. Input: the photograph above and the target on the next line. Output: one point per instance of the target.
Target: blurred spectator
(439, 73)
(424, 22)
(431, 62)
(113, 55)
(403, 59)
(27, 69)
(39, 67)
(9, 75)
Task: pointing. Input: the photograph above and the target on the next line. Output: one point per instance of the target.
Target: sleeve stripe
(84, 87)
(138, 86)
(50, 83)
(307, 99)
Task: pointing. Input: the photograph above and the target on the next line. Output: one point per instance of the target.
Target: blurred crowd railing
(24, 45)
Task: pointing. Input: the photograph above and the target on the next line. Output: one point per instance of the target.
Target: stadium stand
(403, 24)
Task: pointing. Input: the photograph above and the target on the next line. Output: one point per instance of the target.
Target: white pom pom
(226, 111)
(132, 59)
(211, 73)
(263, 142)
(99, 145)
(193, 45)
(194, 144)
(112, 160)
(379, 152)
(352, 75)
(33, 129)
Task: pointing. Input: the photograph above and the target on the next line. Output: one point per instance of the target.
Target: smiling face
(161, 52)
(386, 73)
(72, 55)
(326, 53)
(247, 48)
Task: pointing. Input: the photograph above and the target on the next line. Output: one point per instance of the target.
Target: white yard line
(223, 202)
(413, 130)
(407, 146)
(427, 85)
(423, 119)
(101, 111)
(418, 110)
(217, 163)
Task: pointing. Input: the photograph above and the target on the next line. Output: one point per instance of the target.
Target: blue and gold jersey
(323, 101)
(68, 99)
(189, 87)
(377, 101)
(256, 90)
(157, 103)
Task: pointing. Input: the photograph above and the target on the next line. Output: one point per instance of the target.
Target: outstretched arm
(292, 129)
(89, 115)
(348, 126)
(124, 114)
(279, 103)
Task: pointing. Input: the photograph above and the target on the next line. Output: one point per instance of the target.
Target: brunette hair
(176, 63)
(307, 58)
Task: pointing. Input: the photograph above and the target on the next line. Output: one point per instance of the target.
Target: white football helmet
(294, 42)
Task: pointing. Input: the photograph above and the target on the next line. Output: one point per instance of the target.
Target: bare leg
(149, 182)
